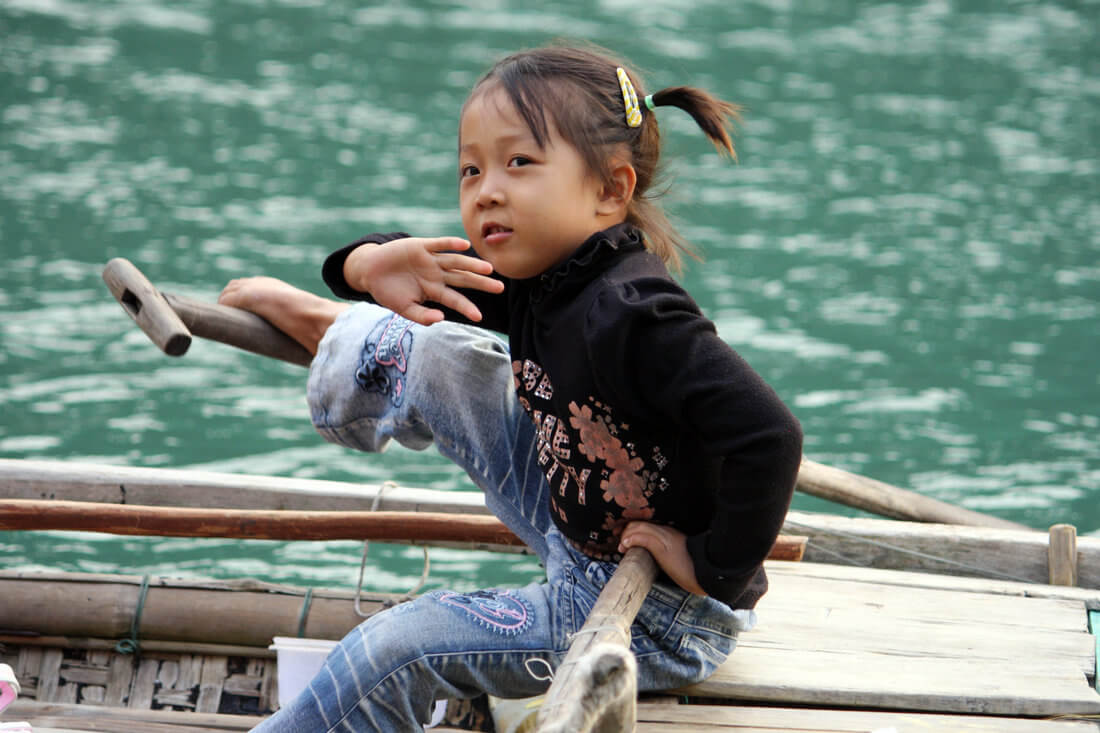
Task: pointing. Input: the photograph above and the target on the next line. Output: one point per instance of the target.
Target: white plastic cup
(299, 660)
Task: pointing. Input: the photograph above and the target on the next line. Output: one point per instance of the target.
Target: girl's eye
(468, 170)
(519, 160)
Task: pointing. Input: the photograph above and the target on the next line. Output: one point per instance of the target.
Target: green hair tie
(649, 103)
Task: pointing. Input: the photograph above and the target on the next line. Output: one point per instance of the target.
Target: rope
(386, 485)
(306, 602)
(132, 645)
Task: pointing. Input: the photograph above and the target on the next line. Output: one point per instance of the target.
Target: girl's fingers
(459, 303)
(463, 263)
(421, 314)
(472, 281)
(444, 244)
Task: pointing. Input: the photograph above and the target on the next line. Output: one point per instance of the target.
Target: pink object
(8, 692)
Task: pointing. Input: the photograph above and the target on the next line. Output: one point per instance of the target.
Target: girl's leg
(381, 377)
(386, 674)
(378, 377)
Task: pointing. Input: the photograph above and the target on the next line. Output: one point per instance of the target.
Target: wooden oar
(170, 320)
(277, 524)
(163, 317)
(596, 687)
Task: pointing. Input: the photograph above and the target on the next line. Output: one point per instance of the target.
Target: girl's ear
(616, 197)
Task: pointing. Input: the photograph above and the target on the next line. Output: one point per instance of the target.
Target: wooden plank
(145, 680)
(810, 677)
(839, 630)
(49, 676)
(75, 481)
(214, 671)
(919, 580)
(147, 645)
(813, 588)
(123, 720)
(119, 681)
(696, 718)
(1000, 554)
(826, 639)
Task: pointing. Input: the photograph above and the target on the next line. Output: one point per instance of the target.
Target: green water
(907, 249)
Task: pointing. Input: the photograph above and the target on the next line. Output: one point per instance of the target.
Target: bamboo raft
(914, 643)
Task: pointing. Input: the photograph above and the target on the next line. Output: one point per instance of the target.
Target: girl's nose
(491, 192)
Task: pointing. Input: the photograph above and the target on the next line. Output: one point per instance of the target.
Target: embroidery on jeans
(385, 359)
(498, 610)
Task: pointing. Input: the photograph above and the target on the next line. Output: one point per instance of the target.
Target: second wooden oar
(275, 524)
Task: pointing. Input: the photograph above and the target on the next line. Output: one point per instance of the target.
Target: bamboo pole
(234, 612)
(595, 688)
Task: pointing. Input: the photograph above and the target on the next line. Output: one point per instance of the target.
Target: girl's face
(525, 209)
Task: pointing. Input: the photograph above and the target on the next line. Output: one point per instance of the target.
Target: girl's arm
(403, 273)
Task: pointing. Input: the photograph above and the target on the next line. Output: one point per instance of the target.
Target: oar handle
(171, 320)
(147, 307)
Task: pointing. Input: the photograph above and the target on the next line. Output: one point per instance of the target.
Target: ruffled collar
(583, 266)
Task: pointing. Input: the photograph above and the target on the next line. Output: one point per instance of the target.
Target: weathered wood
(240, 328)
(31, 514)
(149, 309)
(27, 514)
(991, 552)
(74, 481)
(745, 719)
(147, 645)
(853, 636)
(1063, 554)
(857, 491)
(1004, 554)
(49, 675)
(595, 687)
(122, 720)
(214, 672)
(904, 581)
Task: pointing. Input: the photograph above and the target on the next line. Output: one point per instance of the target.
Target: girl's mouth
(494, 234)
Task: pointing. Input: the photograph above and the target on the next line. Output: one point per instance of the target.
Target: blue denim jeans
(378, 377)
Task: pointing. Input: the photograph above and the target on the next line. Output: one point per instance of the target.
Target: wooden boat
(972, 624)
(882, 625)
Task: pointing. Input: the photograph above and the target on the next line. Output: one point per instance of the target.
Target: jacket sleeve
(751, 442)
(493, 307)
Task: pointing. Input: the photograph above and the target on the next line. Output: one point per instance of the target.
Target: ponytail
(714, 116)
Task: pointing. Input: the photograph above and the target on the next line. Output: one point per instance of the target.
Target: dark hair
(578, 90)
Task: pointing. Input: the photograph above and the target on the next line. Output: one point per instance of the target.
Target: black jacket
(643, 411)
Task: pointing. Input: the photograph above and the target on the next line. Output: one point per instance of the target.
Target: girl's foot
(300, 314)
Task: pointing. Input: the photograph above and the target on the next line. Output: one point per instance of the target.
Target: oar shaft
(162, 317)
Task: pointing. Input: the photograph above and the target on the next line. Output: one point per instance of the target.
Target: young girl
(615, 417)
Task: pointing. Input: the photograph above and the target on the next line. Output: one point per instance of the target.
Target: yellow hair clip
(630, 99)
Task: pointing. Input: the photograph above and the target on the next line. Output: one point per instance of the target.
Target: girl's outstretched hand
(402, 274)
(668, 547)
